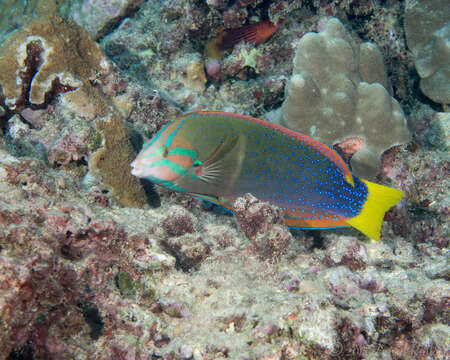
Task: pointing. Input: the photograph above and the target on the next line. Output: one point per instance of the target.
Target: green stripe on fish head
(166, 157)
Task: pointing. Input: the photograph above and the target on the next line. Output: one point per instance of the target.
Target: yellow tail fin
(379, 200)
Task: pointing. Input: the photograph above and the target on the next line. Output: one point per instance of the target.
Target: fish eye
(165, 150)
(197, 163)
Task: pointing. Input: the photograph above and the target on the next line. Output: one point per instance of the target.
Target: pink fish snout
(137, 169)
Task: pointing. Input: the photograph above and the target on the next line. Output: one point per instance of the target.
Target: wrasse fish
(219, 156)
(255, 33)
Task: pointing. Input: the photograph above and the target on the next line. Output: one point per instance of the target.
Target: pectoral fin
(224, 165)
(219, 171)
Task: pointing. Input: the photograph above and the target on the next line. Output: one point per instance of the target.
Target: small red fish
(255, 33)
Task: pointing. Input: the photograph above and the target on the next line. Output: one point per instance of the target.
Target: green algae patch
(131, 288)
(125, 284)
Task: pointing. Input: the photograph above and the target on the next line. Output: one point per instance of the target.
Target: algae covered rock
(112, 161)
(263, 225)
(438, 133)
(99, 16)
(13, 13)
(339, 90)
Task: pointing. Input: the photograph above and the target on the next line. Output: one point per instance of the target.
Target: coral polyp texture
(427, 30)
(339, 90)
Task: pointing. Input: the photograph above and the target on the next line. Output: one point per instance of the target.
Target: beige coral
(111, 162)
(339, 90)
(50, 56)
(427, 31)
(195, 76)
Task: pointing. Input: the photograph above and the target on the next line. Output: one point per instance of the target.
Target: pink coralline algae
(263, 224)
(70, 252)
(189, 249)
(36, 118)
(179, 221)
(173, 308)
(212, 67)
(234, 17)
(413, 171)
(69, 148)
(265, 332)
(350, 339)
(218, 4)
(347, 251)
(291, 285)
(254, 216)
(183, 239)
(50, 253)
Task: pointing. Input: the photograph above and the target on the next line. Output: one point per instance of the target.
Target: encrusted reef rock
(428, 36)
(13, 13)
(99, 16)
(54, 61)
(82, 277)
(263, 225)
(339, 90)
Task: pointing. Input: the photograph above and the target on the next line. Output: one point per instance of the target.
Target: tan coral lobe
(195, 76)
(427, 31)
(339, 90)
(52, 56)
